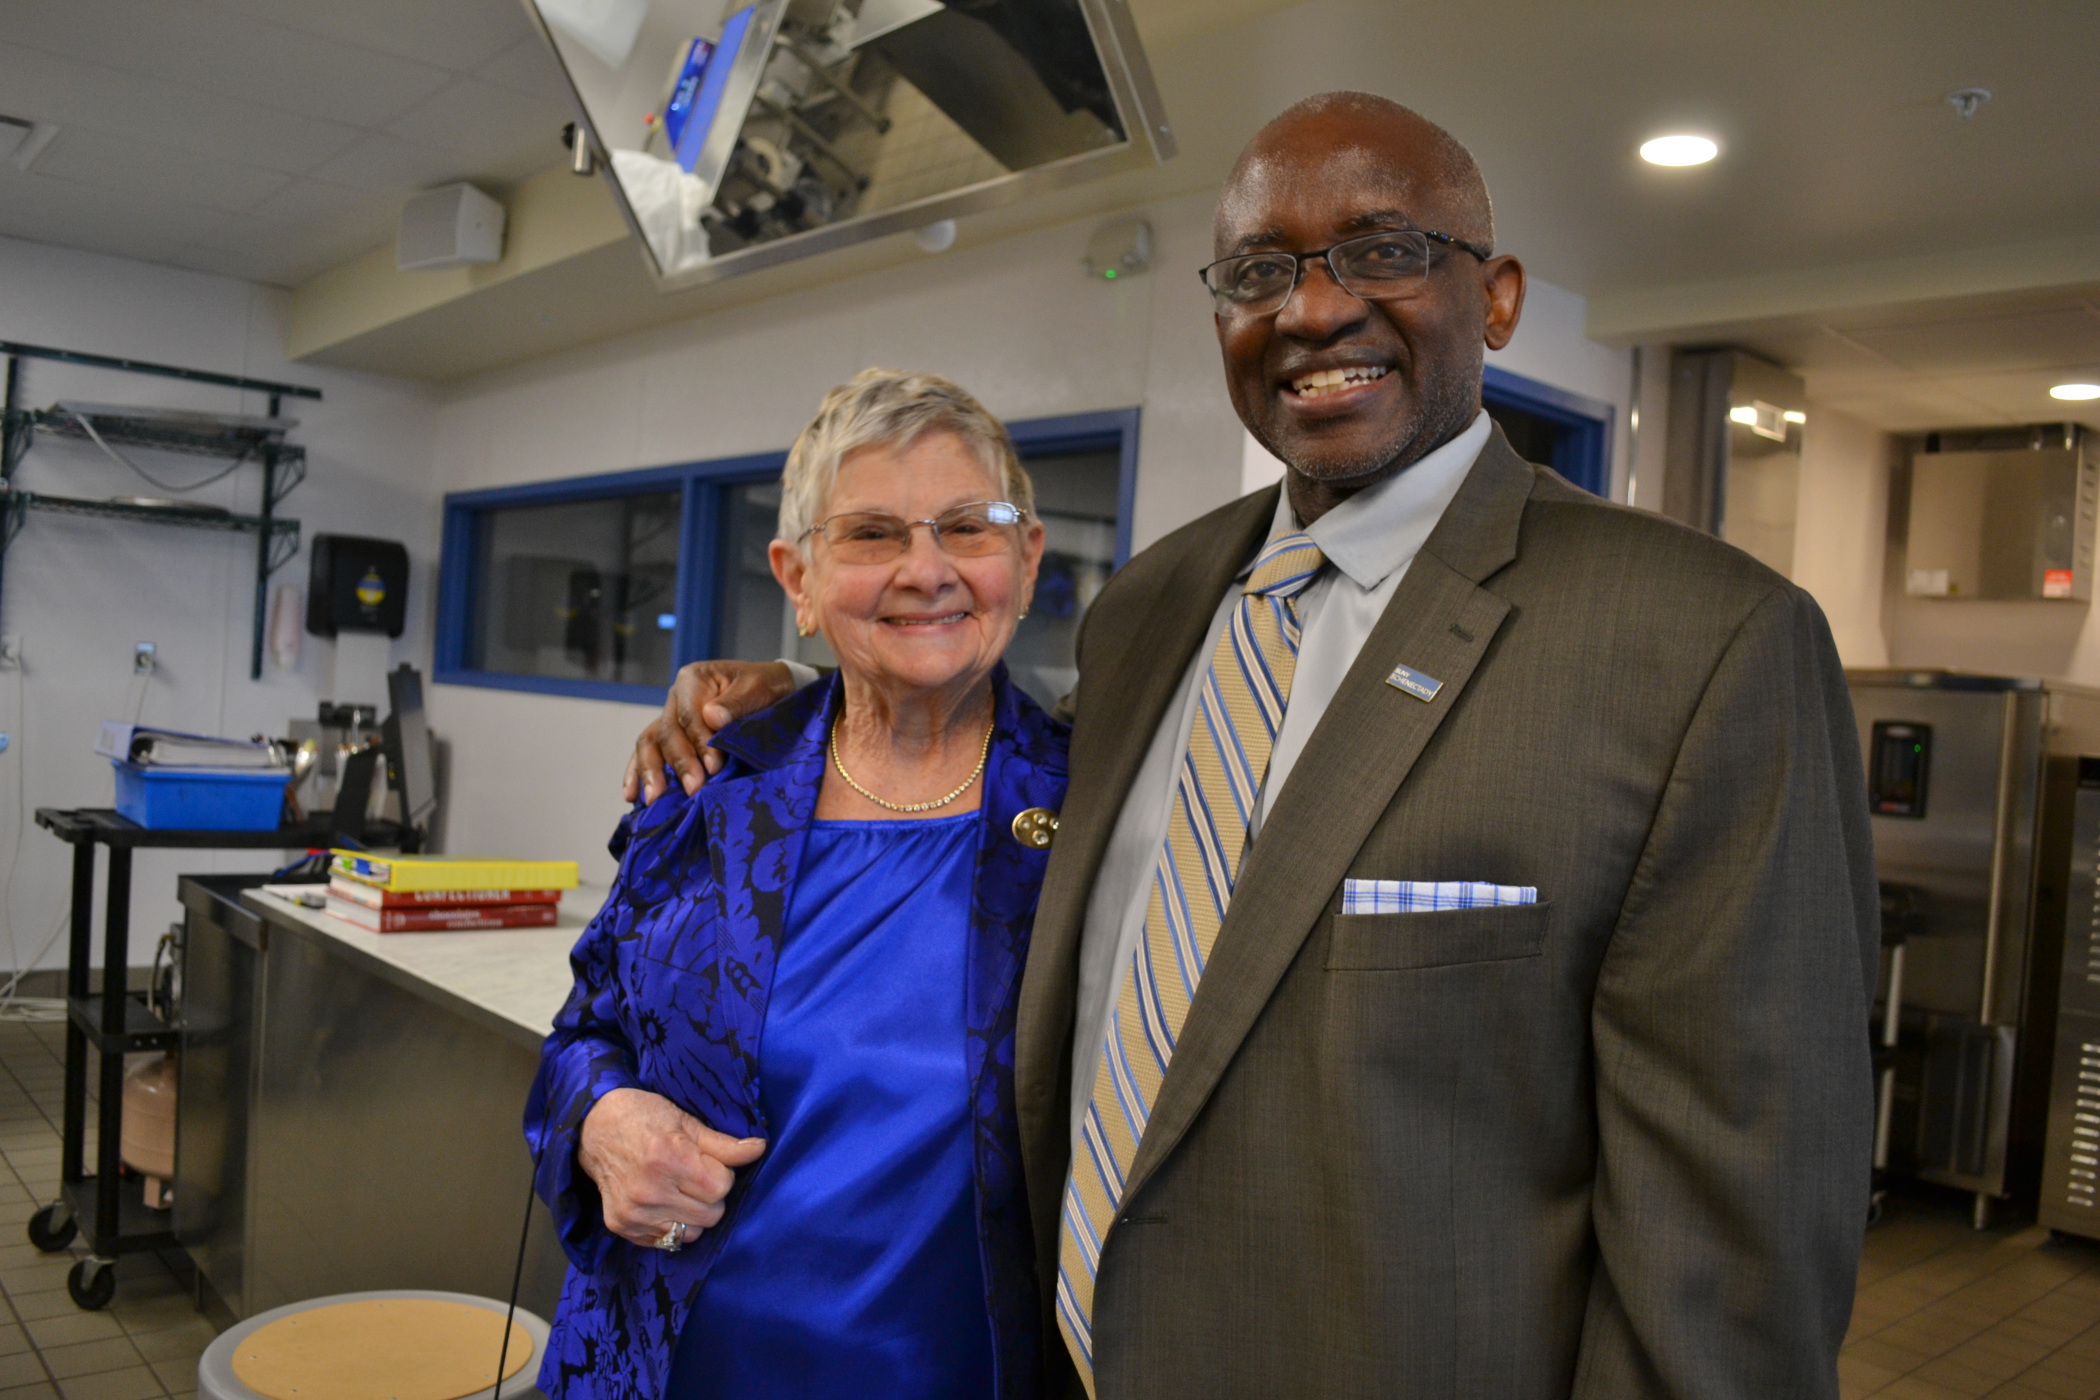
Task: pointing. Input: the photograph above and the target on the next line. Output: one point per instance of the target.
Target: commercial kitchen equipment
(741, 135)
(352, 1101)
(1971, 782)
(2070, 1199)
(2003, 513)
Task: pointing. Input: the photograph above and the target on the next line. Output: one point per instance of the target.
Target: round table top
(395, 1344)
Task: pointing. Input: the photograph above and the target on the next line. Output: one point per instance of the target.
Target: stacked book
(415, 894)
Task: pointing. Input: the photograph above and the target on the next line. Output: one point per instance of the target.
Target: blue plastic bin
(200, 799)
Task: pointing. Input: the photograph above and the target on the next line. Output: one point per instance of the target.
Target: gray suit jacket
(1611, 1144)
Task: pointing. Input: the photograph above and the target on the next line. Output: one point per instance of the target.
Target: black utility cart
(116, 1022)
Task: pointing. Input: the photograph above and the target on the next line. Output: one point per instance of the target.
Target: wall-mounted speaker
(454, 226)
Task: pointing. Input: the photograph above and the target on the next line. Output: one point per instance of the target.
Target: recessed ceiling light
(2075, 392)
(1679, 150)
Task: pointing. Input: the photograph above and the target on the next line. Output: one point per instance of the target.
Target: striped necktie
(1238, 713)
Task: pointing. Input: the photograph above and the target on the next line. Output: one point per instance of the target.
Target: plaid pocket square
(1428, 896)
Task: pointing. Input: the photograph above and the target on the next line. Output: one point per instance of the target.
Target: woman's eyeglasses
(1376, 267)
(963, 532)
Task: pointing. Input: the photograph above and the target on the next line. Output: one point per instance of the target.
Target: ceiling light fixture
(2076, 393)
(1795, 415)
(1679, 150)
(1745, 415)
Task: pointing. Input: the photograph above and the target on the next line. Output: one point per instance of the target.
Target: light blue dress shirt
(1370, 539)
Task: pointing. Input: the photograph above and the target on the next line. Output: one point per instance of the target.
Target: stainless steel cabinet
(222, 951)
(343, 1124)
(1971, 781)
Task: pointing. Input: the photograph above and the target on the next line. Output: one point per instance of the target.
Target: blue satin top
(851, 1270)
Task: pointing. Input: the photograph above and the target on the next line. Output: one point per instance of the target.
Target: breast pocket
(1443, 938)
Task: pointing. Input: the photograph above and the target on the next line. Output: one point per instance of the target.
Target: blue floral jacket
(672, 978)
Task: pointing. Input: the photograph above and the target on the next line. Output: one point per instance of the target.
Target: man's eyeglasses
(963, 532)
(1376, 267)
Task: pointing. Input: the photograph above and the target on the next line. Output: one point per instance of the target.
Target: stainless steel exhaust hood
(740, 137)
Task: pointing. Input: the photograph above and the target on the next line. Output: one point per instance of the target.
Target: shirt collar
(1381, 528)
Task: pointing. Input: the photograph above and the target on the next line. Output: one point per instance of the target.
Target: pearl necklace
(982, 754)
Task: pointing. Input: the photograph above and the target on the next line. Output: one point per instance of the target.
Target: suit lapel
(1121, 707)
(1439, 623)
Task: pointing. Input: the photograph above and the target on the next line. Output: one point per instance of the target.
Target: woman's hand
(655, 1164)
(705, 696)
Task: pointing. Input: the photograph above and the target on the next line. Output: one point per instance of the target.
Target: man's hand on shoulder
(704, 698)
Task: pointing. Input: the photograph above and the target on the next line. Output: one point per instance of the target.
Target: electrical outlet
(145, 659)
(10, 651)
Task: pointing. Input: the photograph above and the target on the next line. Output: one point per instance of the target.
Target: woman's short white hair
(889, 408)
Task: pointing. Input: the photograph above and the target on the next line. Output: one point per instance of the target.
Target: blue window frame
(703, 588)
(1569, 432)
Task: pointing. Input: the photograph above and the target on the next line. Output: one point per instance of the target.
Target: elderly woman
(775, 1121)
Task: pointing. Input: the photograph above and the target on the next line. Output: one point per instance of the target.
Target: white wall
(80, 592)
(1841, 530)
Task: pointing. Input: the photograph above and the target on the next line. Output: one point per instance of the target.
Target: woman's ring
(673, 1238)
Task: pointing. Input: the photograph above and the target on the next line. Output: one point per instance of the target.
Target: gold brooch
(1036, 828)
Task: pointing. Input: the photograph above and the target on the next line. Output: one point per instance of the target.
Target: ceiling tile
(214, 50)
(98, 218)
(469, 115)
(457, 34)
(282, 255)
(157, 172)
(2028, 340)
(311, 202)
(2025, 396)
(385, 163)
(54, 88)
(1815, 349)
(527, 66)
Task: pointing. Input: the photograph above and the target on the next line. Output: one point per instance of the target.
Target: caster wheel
(92, 1282)
(53, 1228)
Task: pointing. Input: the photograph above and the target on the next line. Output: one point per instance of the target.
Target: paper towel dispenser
(2003, 515)
(357, 585)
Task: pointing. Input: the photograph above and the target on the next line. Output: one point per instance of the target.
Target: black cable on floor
(517, 1273)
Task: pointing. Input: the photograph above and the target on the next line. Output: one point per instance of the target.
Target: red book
(373, 897)
(471, 916)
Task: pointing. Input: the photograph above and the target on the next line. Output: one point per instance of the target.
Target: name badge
(1423, 688)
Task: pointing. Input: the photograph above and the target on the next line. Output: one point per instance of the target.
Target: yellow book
(389, 872)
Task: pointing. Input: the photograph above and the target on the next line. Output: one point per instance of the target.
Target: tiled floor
(146, 1343)
(1945, 1312)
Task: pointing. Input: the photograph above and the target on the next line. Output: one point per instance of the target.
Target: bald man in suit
(1452, 974)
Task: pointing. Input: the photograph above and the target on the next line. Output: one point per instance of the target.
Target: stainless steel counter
(511, 981)
(352, 1119)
